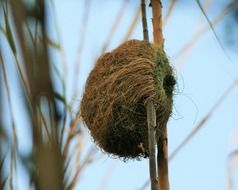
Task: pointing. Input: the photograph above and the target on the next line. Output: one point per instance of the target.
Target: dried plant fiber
(113, 106)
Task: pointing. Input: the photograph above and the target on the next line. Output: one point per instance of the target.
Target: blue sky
(207, 73)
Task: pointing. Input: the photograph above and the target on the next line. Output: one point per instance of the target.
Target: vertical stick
(144, 21)
(151, 120)
(162, 161)
(151, 114)
(162, 142)
(157, 23)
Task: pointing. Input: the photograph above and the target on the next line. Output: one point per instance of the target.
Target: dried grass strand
(169, 12)
(134, 23)
(199, 33)
(115, 25)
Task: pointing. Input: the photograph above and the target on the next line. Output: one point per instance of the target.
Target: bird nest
(113, 106)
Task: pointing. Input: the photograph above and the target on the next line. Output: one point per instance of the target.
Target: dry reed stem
(72, 132)
(117, 22)
(168, 12)
(201, 124)
(9, 36)
(47, 156)
(204, 120)
(212, 29)
(89, 158)
(151, 114)
(107, 176)
(162, 162)
(151, 120)
(3, 180)
(157, 23)
(133, 23)
(162, 154)
(85, 18)
(25, 82)
(115, 25)
(233, 156)
(14, 146)
(62, 77)
(70, 136)
(199, 33)
(186, 54)
(171, 8)
(18, 18)
(144, 21)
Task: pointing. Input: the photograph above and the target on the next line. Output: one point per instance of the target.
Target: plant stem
(151, 120)
(151, 114)
(162, 161)
(157, 23)
(144, 21)
(162, 142)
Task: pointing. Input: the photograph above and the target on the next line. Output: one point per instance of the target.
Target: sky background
(205, 76)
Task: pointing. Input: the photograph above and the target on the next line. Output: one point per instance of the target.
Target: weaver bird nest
(117, 90)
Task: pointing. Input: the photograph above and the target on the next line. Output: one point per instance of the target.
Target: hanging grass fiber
(113, 106)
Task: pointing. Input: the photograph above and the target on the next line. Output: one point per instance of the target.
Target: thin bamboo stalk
(14, 146)
(151, 114)
(162, 143)
(169, 11)
(144, 20)
(157, 23)
(162, 161)
(204, 120)
(202, 30)
(133, 24)
(151, 120)
(115, 25)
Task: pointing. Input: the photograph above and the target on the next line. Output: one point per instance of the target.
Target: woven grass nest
(113, 106)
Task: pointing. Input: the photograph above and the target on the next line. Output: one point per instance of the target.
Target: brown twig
(47, 157)
(231, 168)
(230, 7)
(204, 120)
(89, 158)
(144, 21)
(169, 11)
(162, 143)
(151, 114)
(15, 140)
(115, 25)
(162, 161)
(151, 120)
(157, 23)
(86, 14)
(187, 53)
(108, 175)
(3, 180)
(133, 24)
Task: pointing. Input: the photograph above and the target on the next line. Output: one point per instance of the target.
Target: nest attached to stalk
(117, 90)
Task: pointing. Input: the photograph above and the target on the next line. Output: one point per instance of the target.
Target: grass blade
(3, 180)
(115, 25)
(9, 32)
(202, 30)
(168, 12)
(213, 29)
(134, 23)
